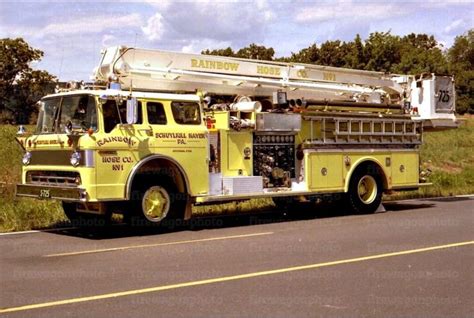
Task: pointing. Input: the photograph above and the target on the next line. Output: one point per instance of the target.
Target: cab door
(180, 134)
(119, 147)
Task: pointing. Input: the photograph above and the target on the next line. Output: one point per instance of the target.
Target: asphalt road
(415, 260)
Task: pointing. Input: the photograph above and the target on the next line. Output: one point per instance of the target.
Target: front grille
(60, 157)
(54, 178)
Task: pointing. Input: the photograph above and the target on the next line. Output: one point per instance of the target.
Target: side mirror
(21, 130)
(132, 110)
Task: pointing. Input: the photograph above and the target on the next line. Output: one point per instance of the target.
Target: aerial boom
(149, 69)
(429, 98)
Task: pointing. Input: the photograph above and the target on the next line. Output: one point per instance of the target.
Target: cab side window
(113, 114)
(186, 113)
(156, 114)
(116, 114)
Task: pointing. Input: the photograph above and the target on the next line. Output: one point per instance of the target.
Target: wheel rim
(367, 189)
(155, 203)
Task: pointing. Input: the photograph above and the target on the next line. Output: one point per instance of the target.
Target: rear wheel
(365, 190)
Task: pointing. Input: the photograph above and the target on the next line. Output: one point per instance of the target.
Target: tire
(365, 190)
(283, 203)
(293, 206)
(79, 219)
(156, 202)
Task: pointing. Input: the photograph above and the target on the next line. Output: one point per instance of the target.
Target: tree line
(384, 52)
(21, 86)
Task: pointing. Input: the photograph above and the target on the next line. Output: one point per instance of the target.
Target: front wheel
(155, 203)
(365, 190)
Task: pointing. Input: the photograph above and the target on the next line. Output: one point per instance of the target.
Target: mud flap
(380, 209)
(188, 209)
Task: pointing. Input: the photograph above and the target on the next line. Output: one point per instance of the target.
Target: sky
(72, 33)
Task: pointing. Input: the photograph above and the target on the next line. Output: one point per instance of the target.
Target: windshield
(47, 112)
(56, 113)
(80, 111)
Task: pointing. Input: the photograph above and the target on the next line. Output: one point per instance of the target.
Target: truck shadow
(270, 216)
(448, 199)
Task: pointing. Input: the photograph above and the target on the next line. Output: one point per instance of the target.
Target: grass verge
(20, 214)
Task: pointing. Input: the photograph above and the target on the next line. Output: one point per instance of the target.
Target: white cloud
(455, 26)
(196, 46)
(154, 29)
(160, 4)
(185, 24)
(437, 4)
(342, 10)
(108, 40)
(92, 24)
(79, 25)
(72, 33)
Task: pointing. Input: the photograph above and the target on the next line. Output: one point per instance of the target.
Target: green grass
(20, 214)
(449, 154)
(26, 214)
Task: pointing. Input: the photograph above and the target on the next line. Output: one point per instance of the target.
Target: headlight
(26, 158)
(75, 159)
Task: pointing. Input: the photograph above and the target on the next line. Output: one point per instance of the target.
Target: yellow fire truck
(167, 131)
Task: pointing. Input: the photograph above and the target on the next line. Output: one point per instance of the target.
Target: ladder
(339, 129)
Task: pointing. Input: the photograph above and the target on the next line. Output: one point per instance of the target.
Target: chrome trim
(87, 158)
(61, 158)
(52, 178)
(414, 186)
(354, 150)
(201, 199)
(58, 193)
(128, 187)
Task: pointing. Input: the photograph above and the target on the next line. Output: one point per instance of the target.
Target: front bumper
(72, 194)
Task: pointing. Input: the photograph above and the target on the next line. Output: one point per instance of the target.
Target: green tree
(20, 86)
(382, 51)
(420, 53)
(256, 52)
(307, 55)
(355, 55)
(222, 52)
(333, 53)
(461, 64)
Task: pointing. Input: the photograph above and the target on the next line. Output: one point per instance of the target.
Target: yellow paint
(222, 119)
(268, 70)
(302, 74)
(325, 171)
(328, 76)
(358, 159)
(190, 153)
(118, 153)
(229, 278)
(122, 248)
(405, 168)
(214, 65)
(232, 151)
